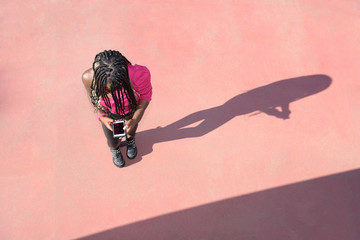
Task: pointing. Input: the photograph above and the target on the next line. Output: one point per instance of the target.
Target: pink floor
(220, 157)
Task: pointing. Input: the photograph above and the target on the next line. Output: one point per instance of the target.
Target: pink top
(141, 80)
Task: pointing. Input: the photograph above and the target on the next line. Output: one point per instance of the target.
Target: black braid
(111, 68)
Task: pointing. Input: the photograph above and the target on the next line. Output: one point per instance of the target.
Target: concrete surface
(253, 131)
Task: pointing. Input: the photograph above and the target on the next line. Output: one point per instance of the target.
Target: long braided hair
(111, 71)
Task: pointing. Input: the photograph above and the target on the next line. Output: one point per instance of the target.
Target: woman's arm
(138, 114)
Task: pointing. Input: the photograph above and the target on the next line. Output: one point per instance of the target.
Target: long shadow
(273, 99)
(323, 208)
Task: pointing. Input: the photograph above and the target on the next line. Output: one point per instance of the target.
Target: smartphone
(119, 128)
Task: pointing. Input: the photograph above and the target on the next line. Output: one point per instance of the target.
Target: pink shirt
(141, 79)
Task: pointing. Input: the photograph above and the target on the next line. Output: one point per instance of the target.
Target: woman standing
(119, 91)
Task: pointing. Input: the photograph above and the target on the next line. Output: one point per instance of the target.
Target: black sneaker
(131, 150)
(117, 158)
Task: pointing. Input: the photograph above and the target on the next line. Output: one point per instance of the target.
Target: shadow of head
(296, 88)
(277, 94)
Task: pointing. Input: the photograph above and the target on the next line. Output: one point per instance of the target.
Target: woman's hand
(107, 122)
(130, 126)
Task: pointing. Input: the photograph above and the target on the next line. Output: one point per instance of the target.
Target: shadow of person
(273, 99)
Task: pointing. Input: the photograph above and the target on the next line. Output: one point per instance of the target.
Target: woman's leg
(112, 142)
(131, 150)
(132, 134)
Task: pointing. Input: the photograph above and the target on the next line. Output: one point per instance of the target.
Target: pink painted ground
(228, 160)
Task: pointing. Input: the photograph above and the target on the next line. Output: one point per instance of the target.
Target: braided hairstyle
(111, 71)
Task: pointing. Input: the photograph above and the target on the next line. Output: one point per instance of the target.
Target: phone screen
(119, 128)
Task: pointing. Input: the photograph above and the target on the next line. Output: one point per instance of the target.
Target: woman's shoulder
(87, 78)
(138, 74)
(88, 74)
(139, 68)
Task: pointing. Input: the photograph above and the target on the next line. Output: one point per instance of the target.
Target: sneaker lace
(131, 143)
(115, 152)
